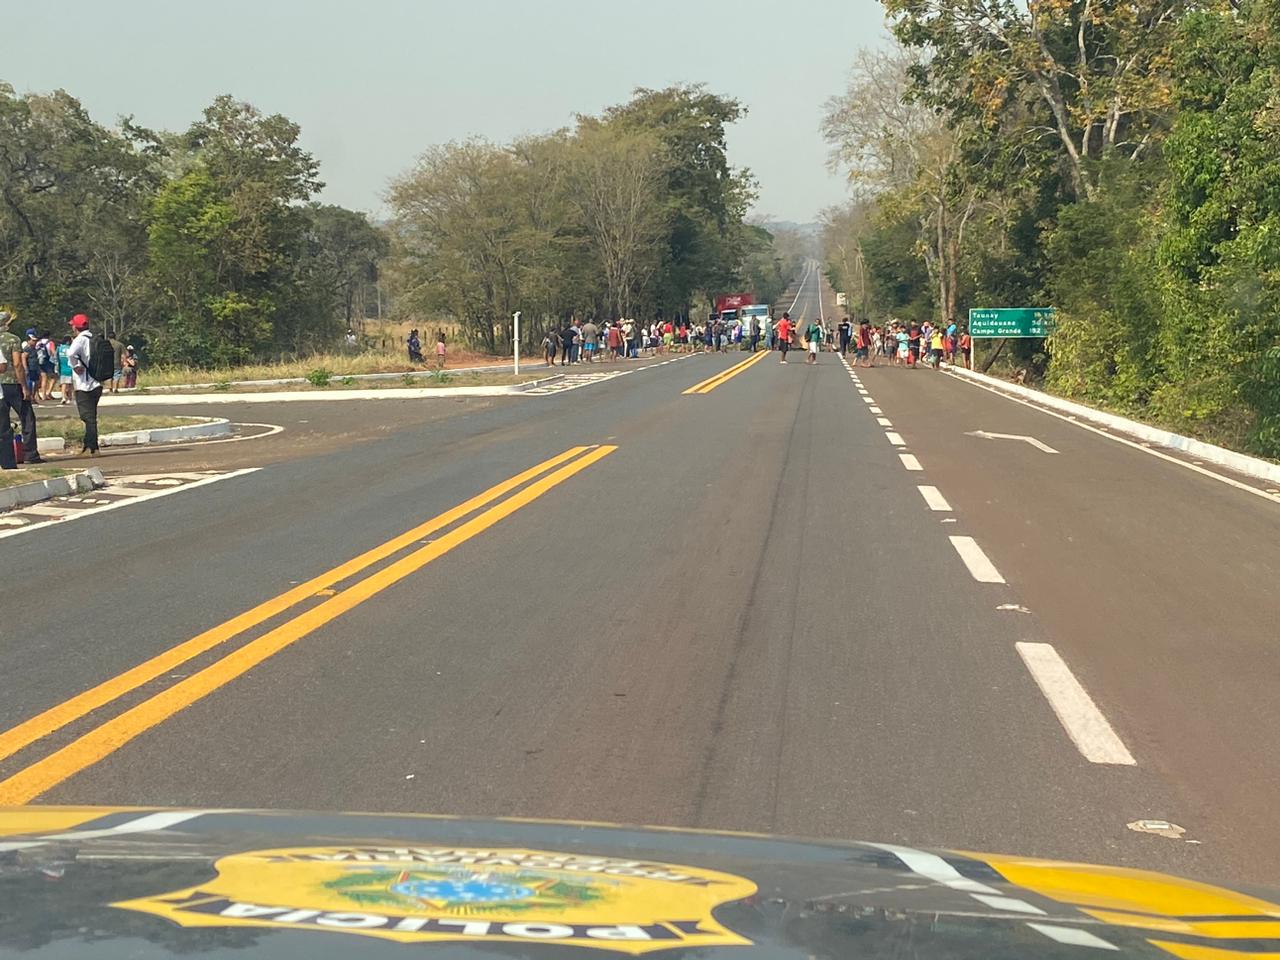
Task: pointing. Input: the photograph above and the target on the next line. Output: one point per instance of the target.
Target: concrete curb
(1240, 462)
(25, 494)
(209, 427)
(298, 396)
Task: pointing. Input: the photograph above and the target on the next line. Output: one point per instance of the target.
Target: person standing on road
(87, 389)
(966, 347)
(15, 395)
(64, 370)
(784, 336)
(950, 345)
(567, 337)
(936, 341)
(846, 331)
(46, 356)
(590, 338)
(118, 374)
(130, 367)
(813, 338)
(862, 345)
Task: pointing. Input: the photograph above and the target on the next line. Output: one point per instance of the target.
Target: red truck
(730, 305)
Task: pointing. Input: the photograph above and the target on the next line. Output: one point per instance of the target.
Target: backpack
(102, 359)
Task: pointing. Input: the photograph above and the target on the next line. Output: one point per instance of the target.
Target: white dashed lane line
(1080, 717)
(934, 498)
(982, 569)
(1076, 711)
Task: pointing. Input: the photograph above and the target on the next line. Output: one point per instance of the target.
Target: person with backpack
(92, 364)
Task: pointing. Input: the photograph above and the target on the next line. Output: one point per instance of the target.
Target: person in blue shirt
(64, 370)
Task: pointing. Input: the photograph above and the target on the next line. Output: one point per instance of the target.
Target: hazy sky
(373, 83)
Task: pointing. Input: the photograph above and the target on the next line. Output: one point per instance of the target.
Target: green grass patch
(72, 430)
(12, 478)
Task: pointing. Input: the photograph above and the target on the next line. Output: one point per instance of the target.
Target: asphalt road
(733, 609)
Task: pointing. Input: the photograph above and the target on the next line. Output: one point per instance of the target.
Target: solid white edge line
(167, 491)
(909, 461)
(1075, 709)
(1274, 498)
(934, 498)
(982, 569)
(1072, 936)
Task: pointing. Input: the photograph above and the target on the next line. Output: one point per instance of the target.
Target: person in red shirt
(784, 335)
(966, 346)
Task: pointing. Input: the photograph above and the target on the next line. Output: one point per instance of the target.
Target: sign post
(1000, 322)
(515, 319)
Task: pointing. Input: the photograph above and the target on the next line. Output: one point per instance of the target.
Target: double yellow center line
(111, 735)
(724, 376)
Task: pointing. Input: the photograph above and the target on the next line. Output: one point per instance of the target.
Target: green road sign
(1011, 322)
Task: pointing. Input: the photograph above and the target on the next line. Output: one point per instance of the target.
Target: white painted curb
(209, 427)
(35, 491)
(301, 396)
(1240, 462)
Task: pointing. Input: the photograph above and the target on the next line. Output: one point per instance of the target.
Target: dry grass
(338, 364)
(415, 381)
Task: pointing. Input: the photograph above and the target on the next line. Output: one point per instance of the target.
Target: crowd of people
(901, 344)
(79, 366)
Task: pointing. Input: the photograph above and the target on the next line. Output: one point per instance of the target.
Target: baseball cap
(79, 321)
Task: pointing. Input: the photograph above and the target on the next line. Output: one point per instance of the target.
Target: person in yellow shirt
(936, 340)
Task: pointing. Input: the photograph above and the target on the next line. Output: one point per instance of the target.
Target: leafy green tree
(225, 236)
(707, 199)
(67, 187)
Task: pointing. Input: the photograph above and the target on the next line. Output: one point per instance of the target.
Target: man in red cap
(88, 389)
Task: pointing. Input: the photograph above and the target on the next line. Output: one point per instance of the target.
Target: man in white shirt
(88, 390)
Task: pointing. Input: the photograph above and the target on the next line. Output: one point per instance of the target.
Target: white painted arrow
(1038, 444)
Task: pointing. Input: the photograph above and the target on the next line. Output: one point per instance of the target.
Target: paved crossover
(804, 600)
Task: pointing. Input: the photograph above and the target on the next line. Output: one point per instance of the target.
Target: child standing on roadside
(439, 349)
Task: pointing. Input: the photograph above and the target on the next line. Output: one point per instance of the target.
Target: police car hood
(140, 883)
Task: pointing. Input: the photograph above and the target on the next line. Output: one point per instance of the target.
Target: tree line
(206, 246)
(202, 247)
(636, 212)
(1119, 161)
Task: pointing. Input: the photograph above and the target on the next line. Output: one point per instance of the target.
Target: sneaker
(37, 459)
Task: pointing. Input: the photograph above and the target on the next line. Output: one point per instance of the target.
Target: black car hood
(143, 883)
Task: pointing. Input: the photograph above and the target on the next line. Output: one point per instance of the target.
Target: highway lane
(744, 616)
